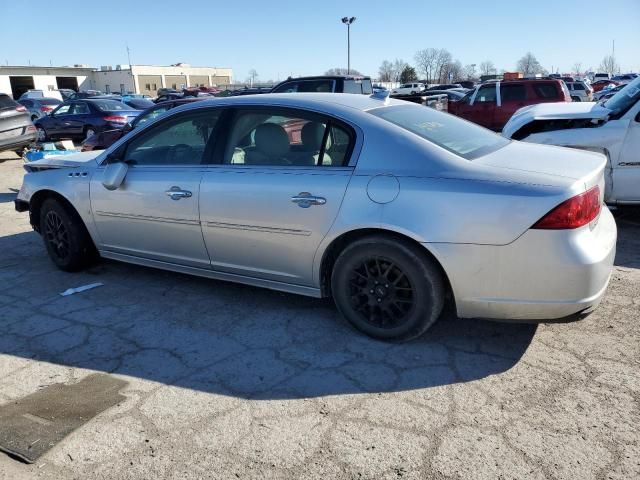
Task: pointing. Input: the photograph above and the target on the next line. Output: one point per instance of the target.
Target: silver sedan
(389, 207)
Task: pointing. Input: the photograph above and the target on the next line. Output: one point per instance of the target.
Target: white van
(408, 89)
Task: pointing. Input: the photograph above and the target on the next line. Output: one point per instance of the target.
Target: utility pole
(348, 21)
(128, 55)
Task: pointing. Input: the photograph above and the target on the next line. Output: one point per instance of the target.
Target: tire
(576, 99)
(65, 237)
(42, 134)
(34, 118)
(89, 132)
(413, 93)
(407, 298)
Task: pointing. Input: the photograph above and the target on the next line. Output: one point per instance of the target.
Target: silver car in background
(389, 207)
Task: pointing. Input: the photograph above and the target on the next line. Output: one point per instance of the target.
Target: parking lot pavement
(228, 381)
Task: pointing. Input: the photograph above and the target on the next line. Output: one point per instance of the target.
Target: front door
(154, 214)
(626, 170)
(275, 194)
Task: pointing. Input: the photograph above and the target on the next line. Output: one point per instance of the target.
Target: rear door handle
(176, 193)
(305, 200)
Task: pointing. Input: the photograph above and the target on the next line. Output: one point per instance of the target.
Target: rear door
(512, 97)
(278, 186)
(73, 125)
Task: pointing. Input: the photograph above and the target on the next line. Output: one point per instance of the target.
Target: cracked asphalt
(228, 381)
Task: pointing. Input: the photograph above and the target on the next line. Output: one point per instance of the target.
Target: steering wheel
(176, 152)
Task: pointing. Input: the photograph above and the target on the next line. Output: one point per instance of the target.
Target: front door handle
(305, 200)
(176, 193)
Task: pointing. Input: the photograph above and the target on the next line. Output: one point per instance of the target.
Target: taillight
(115, 119)
(21, 108)
(573, 213)
(46, 109)
(30, 129)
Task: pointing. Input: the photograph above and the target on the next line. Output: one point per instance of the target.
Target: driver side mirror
(114, 175)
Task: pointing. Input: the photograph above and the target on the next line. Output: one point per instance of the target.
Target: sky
(282, 38)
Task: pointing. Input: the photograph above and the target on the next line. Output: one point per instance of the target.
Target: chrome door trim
(257, 228)
(215, 275)
(148, 218)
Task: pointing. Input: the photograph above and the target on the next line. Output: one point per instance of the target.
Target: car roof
(322, 101)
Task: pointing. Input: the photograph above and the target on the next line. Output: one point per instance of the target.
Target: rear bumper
(543, 275)
(13, 143)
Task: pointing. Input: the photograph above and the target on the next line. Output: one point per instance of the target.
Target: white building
(146, 79)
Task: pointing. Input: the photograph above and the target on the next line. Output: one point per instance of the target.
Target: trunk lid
(571, 165)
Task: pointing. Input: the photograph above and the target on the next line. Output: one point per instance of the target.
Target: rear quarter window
(546, 90)
(7, 102)
(352, 86)
(465, 139)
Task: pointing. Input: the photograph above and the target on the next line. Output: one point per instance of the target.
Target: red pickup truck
(492, 104)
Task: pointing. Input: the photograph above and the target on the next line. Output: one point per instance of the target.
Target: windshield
(463, 138)
(110, 105)
(625, 98)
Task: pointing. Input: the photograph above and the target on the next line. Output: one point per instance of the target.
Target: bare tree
(469, 71)
(577, 68)
(385, 72)
(529, 65)
(398, 66)
(609, 64)
(253, 76)
(452, 72)
(342, 71)
(443, 60)
(487, 68)
(426, 62)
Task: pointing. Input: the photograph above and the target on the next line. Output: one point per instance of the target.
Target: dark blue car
(81, 119)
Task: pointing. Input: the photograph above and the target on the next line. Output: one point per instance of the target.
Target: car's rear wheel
(41, 134)
(65, 236)
(89, 132)
(387, 288)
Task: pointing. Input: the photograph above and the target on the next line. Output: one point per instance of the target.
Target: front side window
(460, 137)
(280, 138)
(62, 110)
(486, 94)
(178, 141)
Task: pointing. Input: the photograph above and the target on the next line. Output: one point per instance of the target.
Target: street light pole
(348, 21)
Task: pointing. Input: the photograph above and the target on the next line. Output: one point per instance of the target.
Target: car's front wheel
(65, 236)
(89, 132)
(387, 288)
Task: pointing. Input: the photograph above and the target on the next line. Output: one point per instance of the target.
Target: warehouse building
(145, 79)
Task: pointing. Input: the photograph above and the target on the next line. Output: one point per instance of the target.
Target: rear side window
(513, 93)
(286, 138)
(306, 86)
(110, 105)
(352, 86)
(458, 136)
(7, 102)
(545, 90)
(578, 86)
